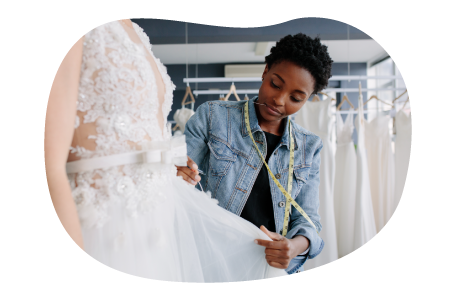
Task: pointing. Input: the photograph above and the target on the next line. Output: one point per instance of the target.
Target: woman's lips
(273, 111)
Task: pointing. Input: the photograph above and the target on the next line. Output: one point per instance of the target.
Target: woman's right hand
(190, 173)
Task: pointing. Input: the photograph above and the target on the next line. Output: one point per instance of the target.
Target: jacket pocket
(302, 174)
(222, 157)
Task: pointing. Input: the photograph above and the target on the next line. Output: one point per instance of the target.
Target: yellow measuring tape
(290, 175)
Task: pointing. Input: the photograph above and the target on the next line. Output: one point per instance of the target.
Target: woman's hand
(189, 175)
(280, 251)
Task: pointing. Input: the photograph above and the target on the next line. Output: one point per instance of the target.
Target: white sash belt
(172, 152)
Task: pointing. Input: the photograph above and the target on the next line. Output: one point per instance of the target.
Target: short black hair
(305, 52)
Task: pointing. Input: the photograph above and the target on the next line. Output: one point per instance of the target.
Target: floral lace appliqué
(118, 95)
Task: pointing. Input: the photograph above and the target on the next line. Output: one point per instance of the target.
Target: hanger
(221, 97)
(332, 99)
(316, 98)
(400, 96)
(375, 97)
(246, 97)
(188, 91)
(232, 91)
(405, 103)
(345, 99)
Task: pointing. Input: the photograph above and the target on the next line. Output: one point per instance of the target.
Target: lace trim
(169, 85)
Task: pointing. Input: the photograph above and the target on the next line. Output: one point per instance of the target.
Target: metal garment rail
(258, 79)
(337, 90)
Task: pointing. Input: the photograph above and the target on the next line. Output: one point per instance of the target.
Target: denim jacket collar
(254, 126)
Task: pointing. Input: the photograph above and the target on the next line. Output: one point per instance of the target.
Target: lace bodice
(118, 102)
(118, 111)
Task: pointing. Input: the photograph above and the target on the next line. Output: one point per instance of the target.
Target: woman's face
(285, 89)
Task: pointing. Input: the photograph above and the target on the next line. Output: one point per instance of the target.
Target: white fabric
(181, 116)
(364, 213)
(380, 162)
(402, 147)
(140, 218)
(178, 133)
(316, 117)
(345, 185)
(162, 153)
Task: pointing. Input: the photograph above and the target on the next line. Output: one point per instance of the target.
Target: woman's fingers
(277, 253)
(275, 264)
(186, 177)
(280, 245)
(192, 165)
(273, 235)
(189, 173)
(283, 262)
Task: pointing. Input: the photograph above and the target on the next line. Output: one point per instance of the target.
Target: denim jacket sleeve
(197, 136)
(308, 199)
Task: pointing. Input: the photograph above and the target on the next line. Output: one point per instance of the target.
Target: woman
(116, 192)
(219, 146)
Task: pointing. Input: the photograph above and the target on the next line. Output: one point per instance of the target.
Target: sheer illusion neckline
(135, 28)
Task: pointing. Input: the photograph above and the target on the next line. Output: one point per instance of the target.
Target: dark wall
(173, 32)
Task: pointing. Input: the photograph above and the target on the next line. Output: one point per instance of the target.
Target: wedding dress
(181, 116)
(345, 185)
(364, 213)
(136, 215)
(404, 210)
(316, 117)
(380, 161)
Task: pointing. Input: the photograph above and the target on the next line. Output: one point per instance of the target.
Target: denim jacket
(219, 143)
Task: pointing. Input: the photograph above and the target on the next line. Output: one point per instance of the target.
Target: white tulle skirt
(185, 236)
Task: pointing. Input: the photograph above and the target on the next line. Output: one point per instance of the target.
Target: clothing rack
(258, 79)
(328, 90)
(337, 90)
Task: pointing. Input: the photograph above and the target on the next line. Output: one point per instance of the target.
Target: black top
(258, 208)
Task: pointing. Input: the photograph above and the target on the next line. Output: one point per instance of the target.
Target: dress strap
(173, 152)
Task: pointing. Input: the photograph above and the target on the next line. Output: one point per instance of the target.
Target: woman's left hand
(280, 251)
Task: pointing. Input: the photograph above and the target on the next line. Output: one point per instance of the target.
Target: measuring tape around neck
(290, 200)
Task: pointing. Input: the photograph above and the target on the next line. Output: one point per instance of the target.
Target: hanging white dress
(402, 148)
(136, 215)
(345, 185)
(380, 162)
(364, 213)
(181, 116)
(316, 117)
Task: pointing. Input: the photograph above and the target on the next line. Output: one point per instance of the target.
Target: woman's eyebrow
(279, 77)
(298, 91)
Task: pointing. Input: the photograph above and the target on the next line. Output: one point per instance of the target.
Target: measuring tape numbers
(290, 201)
